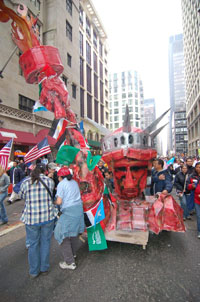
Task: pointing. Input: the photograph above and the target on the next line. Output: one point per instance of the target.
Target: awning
(25, 138)
(94, 143)
(20, 137)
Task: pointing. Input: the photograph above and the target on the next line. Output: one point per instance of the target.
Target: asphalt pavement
(168, 270)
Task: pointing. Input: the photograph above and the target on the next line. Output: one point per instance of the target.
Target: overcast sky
(138, 36)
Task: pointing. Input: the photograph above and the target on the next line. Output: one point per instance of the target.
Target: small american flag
(5, 154)
(39, 150)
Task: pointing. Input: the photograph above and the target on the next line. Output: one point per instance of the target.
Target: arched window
(97, 137)
(122, 139)
(89, 135)
(115, 142)
(130, 139)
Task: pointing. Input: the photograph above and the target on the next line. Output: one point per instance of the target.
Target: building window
(123, 95)
(68, 31)
(89, 106)
(25, 103)
(95, 62)
(116, 125)
(74, 91)
(107, 115)
(88, 53)
(116, 111)
(96, 111)
(69, 6)
(89, 84)
(81, 15)
(36, 3)
(101, 92)
(116, 104)
(82, 102)
(101, 70)
(65, 79)
(81, 72)
(69, 60)
(89, 135)
(81, 43)
(95, 39)
(100, 49)
(95, 86)
(97, 137)
(102, 114)
(88, 27)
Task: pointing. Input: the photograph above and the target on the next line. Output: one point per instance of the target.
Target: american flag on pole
(39, 150)
(5, 154)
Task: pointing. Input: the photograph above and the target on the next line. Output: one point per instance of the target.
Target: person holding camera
(193, 184)
(182, 192)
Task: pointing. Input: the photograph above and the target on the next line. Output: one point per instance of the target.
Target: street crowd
(53, 202)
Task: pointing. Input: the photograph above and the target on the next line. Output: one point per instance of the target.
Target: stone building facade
(59, 26)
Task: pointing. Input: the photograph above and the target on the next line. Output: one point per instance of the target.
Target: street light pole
(11, 55)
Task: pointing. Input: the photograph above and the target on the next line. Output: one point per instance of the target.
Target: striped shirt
(39, 208)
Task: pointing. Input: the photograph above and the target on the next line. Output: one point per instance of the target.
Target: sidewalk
(14, 212)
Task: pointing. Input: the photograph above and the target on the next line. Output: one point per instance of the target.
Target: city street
(168, 270)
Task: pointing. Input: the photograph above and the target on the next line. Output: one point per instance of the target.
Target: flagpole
(11, 148)
(1, 71)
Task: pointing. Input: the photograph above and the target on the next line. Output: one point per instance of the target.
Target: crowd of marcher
(184, 175)
(51, 195)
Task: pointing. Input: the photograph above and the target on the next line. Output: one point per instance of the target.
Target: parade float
(128, 152)
(128, 215)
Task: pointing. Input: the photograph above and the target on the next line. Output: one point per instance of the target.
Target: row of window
(116, 111)
(88, 29)
(116, 125)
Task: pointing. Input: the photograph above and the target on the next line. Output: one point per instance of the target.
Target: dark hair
(35, 174)
(69, 177)
(160, 162)
(198, 163)
(184, 166)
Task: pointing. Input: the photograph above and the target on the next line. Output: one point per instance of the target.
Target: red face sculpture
(129, 177)
(127, 154)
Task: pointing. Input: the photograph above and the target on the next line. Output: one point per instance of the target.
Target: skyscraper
(125, 88)
(178, 132)
(149, 112)
(191, 33)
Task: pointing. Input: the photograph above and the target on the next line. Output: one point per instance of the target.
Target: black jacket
(191, 169)
(180, 181)
(17, 174)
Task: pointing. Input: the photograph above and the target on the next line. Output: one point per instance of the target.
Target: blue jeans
(39, 239)
(183, 202)
(3, 215)
(197, 208)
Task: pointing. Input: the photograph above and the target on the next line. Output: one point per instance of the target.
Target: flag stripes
(39, 150)
(5, 154)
